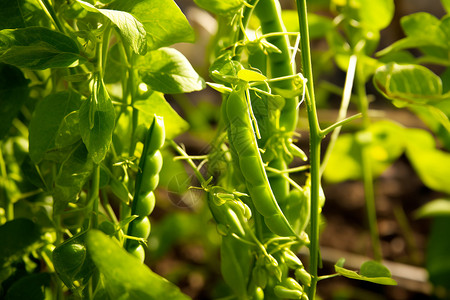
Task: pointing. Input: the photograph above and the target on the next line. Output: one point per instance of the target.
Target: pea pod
(243, 140)
(147, 180)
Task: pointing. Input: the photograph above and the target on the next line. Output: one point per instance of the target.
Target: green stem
(366, 164)
(315, 141)
(48, 8)
(346, 95)
(94, 191)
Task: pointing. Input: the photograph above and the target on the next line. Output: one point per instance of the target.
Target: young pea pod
(147, 180)
(242, 139)
(303, 276)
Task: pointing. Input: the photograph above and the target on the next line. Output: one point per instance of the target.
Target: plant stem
(366, 164)
(94, 191)
(349, 79)
(48, 8)
(315, 141)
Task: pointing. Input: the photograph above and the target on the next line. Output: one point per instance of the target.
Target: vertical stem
(48, 8)
(366, 164)
(94, 195)
(315, 140)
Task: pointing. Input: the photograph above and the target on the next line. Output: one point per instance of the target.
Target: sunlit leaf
(166, 70)
(157, 104)
(250, 75)
(123, 275)
(220, 7)
(97, 122)
(435, 208)
(131, 29)
(38, 48)
(430, 164)
(408, 84)
(386, 144)
(163, 20)
(371, 271)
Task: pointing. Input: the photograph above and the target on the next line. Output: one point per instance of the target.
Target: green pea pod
(242, 138)
(155, 137)
(147, 180)
(286, 293)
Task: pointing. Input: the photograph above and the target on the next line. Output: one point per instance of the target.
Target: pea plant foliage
(87, 142)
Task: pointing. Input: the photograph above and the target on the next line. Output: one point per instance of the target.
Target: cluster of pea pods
(261, 212)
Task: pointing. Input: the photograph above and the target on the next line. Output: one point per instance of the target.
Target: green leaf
(250, 75)
(69, 130)
(131, 29)
(38, 48)
(408, 84)
(47, 118)
(376, 15)
(370, 271)
(167, 71)
(97, 122)
(17, 238)
(123, 275)
(220, 7)
(435, 208)
(386, 145)
(446, 4)
(235, 264)
(421, 29)
(156, 104)
(438, 248)
(30, 287)
(13, 93)
(163, 20)
(429, 163)
(72, 176)
(18, 14)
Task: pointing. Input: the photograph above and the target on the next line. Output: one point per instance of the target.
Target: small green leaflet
(123, 275)
(38, 48)
(97, 122)
(371, 271)
(166, 70)
(435, 208)
(163, 20)
(250, 75)
(131, 29)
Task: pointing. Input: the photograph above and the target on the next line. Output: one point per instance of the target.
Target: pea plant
(87, 134)
(84, 119)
